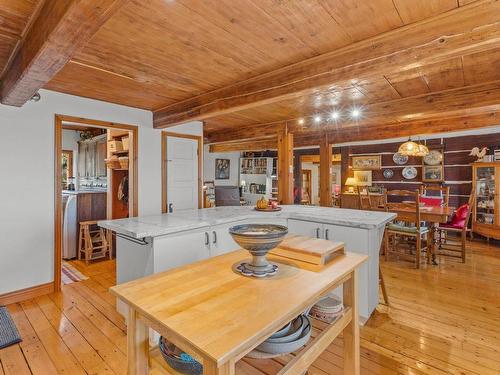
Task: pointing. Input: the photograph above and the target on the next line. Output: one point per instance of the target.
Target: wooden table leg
(351, 331)
(210, 368)
(137, 345)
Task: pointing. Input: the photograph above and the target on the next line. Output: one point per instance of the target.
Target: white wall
(209, 166)
(27, 170)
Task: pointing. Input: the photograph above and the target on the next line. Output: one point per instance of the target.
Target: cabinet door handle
(326, 234)
(207, 239)
(317, 232)
(215, 236)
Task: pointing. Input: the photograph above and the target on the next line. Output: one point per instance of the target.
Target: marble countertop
(160, 225)
(76, 192)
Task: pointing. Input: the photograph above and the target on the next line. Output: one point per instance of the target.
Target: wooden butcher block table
(218, 316)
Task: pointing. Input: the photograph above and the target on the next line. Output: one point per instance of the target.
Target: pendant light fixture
(409, 148)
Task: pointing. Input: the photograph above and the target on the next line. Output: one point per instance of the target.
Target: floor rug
(9, 334)
(70, 274)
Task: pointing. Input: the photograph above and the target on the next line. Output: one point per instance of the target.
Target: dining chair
(458, 224)
(407, 230)
(364, 204)
(441, 199)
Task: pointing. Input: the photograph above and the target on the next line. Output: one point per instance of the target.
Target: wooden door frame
(164, 169)
(58, 127)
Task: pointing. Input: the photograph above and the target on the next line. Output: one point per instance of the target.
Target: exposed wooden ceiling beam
(368, 133)
(469, 29)
(61, 29)
(464, 101)
(407, 129)
(254, 145)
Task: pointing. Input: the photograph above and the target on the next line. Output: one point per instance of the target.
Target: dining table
(434, 215)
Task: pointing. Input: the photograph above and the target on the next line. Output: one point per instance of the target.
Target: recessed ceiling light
(355, 113)
(317, 119)
(301, 121)
(335, 115)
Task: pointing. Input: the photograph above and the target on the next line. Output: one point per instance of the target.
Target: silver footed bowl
(258, 239)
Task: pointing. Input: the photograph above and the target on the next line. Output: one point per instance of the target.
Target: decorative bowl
(294, 341)
(178, 360)
(258, 239)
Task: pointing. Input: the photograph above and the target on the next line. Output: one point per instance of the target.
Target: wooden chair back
(470, 203)
(364, 204)
(407, 211)
(443, 190)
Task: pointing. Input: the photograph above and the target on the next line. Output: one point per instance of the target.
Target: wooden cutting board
(308, 249)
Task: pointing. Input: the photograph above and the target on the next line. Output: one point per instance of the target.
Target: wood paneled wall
(457, 171)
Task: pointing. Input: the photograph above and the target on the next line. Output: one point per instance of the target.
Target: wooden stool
(93, 242)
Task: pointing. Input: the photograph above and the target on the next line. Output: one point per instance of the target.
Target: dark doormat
(9, 334)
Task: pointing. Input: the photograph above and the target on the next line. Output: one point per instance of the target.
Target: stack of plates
(327, 310)
(288, 339)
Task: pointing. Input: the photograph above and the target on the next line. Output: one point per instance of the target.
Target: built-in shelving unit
(118, 171)
(256, 176)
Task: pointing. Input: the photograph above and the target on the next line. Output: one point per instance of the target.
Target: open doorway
(95, 179)
(311, 176)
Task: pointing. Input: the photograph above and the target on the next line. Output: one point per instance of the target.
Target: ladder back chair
(364, 201)
(444, 194)
(458, 225)
(407, 230)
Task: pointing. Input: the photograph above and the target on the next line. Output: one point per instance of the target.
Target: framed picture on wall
(432, 173)
(366, 162)
(363, 178)
(222, 168)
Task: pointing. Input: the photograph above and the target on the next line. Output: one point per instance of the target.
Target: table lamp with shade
(351, 182)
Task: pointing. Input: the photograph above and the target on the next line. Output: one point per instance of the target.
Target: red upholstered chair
(458, 224)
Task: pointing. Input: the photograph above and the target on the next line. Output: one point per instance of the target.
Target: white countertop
(159, 225)
(83, 191)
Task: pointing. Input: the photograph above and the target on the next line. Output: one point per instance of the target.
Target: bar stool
(93, 242)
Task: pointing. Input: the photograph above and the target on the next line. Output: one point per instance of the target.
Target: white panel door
(182, 173)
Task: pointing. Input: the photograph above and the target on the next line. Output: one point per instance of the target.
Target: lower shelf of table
(249, 366)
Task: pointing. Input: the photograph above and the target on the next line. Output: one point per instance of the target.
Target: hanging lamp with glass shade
(409, 148)
(422, 150)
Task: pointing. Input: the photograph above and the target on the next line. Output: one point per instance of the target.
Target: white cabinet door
(305, 228)
(221, 241)
(182, 248)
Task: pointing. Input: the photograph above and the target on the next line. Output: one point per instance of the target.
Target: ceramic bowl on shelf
(297, 336)
(258, 239)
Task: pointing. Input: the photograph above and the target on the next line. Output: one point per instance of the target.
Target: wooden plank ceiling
(183, 58)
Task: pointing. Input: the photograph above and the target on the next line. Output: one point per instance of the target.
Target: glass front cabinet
(486, 210)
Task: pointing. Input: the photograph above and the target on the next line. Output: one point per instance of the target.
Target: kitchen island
(152, 244)
(218, 316)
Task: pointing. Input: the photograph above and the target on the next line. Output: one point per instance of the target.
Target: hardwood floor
(441, 320)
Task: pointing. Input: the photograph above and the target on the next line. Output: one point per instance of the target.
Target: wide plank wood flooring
(441, 320)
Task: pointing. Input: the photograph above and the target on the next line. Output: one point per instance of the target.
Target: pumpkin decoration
(262, 203)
